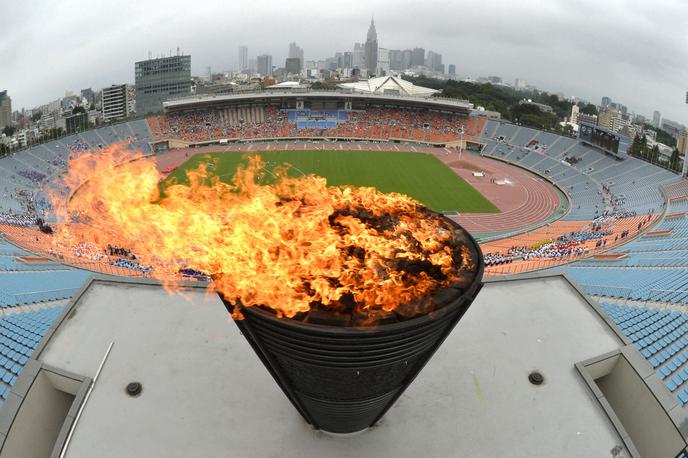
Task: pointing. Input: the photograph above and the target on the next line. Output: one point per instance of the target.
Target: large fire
(291, 245)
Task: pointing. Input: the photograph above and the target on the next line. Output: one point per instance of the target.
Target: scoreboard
(611, 143)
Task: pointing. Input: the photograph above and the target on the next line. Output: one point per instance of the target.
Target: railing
(343, 92)
(39, 296)
(608, 291)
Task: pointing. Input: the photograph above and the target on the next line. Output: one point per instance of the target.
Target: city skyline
(562, 54)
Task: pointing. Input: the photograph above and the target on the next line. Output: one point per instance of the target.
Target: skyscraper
(358, 57)
(406, 59)
(264, 64)
(396, 59)
(293, 65)
(656, 118)
(5, 110)
(434, 61)
(382, 61)
(295, 51)
(451, 69)
(371, 48)
(418, 57)
(606, 101)
(243, 58)
(161, 79)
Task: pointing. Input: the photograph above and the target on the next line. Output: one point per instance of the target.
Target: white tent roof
(387, 85)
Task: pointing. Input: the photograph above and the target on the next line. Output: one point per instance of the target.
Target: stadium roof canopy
(388, 85)
(287, 85)
(204, 392)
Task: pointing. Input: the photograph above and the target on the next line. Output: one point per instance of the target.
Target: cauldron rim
(317, 328)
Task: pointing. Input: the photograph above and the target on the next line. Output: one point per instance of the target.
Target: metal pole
(83, 404)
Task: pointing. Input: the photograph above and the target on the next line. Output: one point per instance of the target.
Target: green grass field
(421, 176)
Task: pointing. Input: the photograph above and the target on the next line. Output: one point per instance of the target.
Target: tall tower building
(371, 48)
(358, 57)
(5, 110)
(434, 61)
(243, 58)
(656, 119)
(264, 64)
(296, 52)
(115, 102)
(417, 57)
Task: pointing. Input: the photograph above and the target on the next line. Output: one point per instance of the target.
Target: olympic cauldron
(342, 372)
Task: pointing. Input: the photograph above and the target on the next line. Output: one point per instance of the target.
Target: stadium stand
(651, 268)
(661, 336)
(270, 123)
(20, 334)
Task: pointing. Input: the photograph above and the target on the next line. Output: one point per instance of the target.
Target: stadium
(577, 343)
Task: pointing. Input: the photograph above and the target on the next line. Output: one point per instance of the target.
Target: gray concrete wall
(38, 422)
(642, 416)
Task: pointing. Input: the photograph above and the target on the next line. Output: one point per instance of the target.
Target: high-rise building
(358, 55)
(396, 59)
(348, 60)
(5, 110)
(606, 101)
(264, 64)
(418, 57)
(371, 48)
(383, 65)
(451, 70)
(656, 118)
(575, 110)
(433, 61)
(243, 58)
(161, 79)
(295, 51)
(406, 59)
(89, 96)
(293, 65)
(115, 102)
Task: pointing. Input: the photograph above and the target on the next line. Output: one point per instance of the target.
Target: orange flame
(287, 245)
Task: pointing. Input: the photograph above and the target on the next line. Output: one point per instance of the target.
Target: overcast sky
(634, 52)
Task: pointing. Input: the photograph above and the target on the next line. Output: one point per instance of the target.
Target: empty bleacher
(661, 336)
(20, 334)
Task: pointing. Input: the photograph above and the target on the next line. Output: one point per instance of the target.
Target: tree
(589, 109)
(78, 109)
(9, 130)
(36, 116)
(674, 161)
(666, 138)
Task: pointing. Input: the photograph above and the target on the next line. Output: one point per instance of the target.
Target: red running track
(523, 200)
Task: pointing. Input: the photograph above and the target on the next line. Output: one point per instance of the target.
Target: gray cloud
(632, 51)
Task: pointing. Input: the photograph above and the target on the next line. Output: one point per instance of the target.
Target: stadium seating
(661, 336)
(650, 268)
(257, 122)
(20, 334)
(30, 287)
